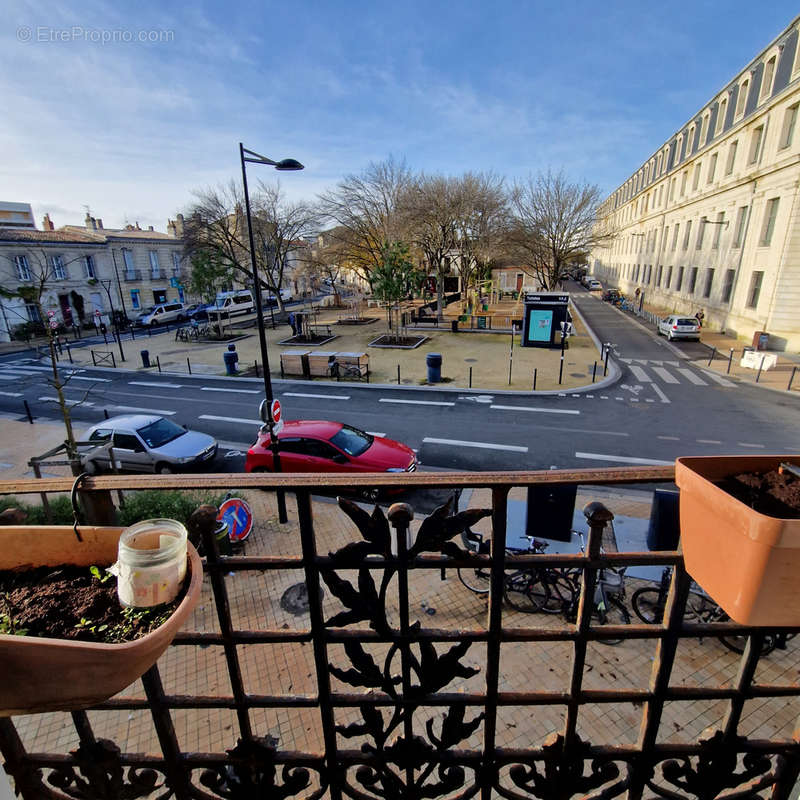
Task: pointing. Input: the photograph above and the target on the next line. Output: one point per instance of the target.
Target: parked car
(611, 295)
(286, 296)
(229, 304)
(198, 311)
(677, 327)
(594, 285)
(145, 443)
(160, 314)
(324, 446)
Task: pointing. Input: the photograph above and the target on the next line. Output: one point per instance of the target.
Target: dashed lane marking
(481, 445)
(624, 459)
(157, 384)
(320, 396)
(238, 391)
(415, 402)
(534, 408)
(138, 410)
(231, 419)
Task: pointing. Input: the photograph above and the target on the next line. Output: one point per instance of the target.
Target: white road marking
(482, 445)
(590, 397)
(639, 374)
(748, 444)
(138, 410)
(11, 375)
(670, 438)
(533, 408)
(624, 459)
(84, 378)
(604, 397)
(695, 379)
(718, 378)
(416, 402)
(709, 441)
(68, 402)
(231, 419)
(649, 400)
(239, 391)
(657, 390)
(157, 385)
(665, 376)
(619, 398)
(321, 396)
(11, 394)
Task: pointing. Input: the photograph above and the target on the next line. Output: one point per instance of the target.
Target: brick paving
(289, 668)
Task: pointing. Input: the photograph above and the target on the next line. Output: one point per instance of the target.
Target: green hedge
(139, 505)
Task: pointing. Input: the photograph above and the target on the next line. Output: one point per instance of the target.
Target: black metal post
(760, 367)
(713, 354)
(605, 368)
(561, 369)
(189, 364)
(398, 374)
(94, 360)
(470, 377)
(730, 361)
(791, 378)
(534, 378)
(105, 413)
(69, 352)
(594, 371)
(28, 412)
(113, 361)
(158, 363)
(262, 340)
(255, 364)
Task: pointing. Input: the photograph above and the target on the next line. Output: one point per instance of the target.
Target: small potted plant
(745, 554)
(49, 674)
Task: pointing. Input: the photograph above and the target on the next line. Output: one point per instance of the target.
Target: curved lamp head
(288, 164)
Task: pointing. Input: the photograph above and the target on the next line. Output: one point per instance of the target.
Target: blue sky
(130, 128)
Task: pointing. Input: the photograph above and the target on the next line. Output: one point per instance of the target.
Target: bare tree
(216, 228)
(432, 209)
(365, 209)
(555, 224)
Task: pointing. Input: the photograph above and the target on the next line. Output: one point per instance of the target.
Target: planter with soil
(67, 643)
(740, 530)
(401, 342)
(356, 320)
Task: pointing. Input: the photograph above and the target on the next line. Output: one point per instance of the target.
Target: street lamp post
(106, 284)
(287, 164)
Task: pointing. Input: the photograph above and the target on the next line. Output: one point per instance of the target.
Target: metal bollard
(470, 377)
(398, 374)
(69, 353)
(189, 364)
(534, 378)
(760, 367)
(560, 370)
(791, 378)
(730, 361)
(105, 413)
(158, 363)
(713, 354)
(28, 412)
(594, 371)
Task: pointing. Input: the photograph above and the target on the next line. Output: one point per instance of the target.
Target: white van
(162, 313)
(229, 304)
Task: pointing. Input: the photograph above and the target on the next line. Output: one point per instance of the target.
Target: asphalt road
(659, 409)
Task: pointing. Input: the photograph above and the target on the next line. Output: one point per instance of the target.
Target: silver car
(145, 443)
(677, 327)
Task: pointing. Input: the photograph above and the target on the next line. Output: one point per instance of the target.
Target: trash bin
(454, 326)
(760, 340)
(145, 354)
(434, 362)
(222, 535)
(664, 528)
(231, 357)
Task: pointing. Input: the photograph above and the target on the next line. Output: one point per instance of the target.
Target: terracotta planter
(42, 674)
(747, 561)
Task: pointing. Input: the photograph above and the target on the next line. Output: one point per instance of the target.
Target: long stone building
(712, 219)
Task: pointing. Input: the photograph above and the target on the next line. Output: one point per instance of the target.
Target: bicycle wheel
(612, 612)
(477, 580)
(648, 605)
(524, 591)
(563, 592)
(738, 643)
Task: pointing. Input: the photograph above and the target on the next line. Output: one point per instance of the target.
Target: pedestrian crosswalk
(672, 372)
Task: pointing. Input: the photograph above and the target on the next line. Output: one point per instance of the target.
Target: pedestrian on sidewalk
(700, 316)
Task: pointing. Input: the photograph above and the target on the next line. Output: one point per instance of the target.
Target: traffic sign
(275, 411)
(239, 517)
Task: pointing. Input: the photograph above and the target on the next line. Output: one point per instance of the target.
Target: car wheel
(162, 468)
(670, 337)
(371, 495)
(181, 318)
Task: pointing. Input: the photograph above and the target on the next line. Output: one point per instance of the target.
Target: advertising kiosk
(545, 314)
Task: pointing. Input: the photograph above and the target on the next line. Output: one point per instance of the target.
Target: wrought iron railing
(395, 707)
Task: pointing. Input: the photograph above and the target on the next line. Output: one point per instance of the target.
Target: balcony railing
(157, 274)
(395, 683)
(131, 275)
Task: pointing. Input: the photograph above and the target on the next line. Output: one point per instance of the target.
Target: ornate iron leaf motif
(715, 770)
(102, 775)
(401, 765)
(560, 775)
(251, 774)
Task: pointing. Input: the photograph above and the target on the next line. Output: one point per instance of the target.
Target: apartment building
(712, 219)
(86, 269)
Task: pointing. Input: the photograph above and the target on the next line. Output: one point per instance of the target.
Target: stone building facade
(712, 219)
(86, 269)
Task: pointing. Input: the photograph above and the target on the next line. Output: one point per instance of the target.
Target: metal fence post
(113, 361)
(730, 361)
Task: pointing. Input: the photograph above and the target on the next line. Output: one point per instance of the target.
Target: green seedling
(101, 575)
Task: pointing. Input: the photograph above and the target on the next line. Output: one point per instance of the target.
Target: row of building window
(58, 270)
(755, 151)
(648, 241)
(643, 273)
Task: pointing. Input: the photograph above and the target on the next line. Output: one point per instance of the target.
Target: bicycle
(649, 602)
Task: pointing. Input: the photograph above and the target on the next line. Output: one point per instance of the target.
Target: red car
(322, 446)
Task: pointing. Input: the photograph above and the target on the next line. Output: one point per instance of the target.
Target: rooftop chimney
(99, 224)
(137, 225)
(179, 226)
(90, 222)
(47, 223)
(170, 228)
(150, 227)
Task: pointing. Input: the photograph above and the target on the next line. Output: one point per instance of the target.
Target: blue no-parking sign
(239, 517)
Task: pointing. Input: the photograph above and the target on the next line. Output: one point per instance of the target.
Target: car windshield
(158, 433)
(351, 440)
(148, 310)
